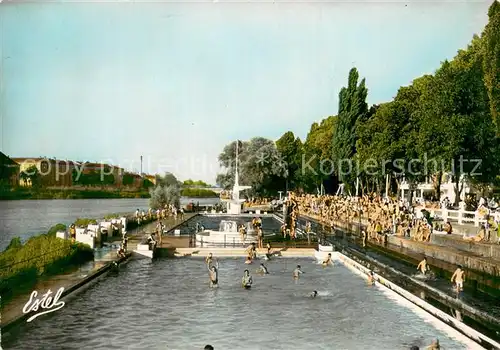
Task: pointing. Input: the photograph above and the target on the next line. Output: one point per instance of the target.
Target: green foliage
(147, 183)
(491, 62)
(43, 255)
(166, 192)
(128, 179)
(260, 166)
(112, 216)
(15, 243)
(352, 109)
(198, 193)
(291, 149)
(168, 179)
(198, 183)
(317, 148)
(54, 229)
(84, 222)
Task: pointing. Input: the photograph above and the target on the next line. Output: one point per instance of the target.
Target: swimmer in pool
(328, 260)
(423, 267)
(213, 273)
(208, 259)
(371, 279)
(434, 346)
(297, 272)
(459, 279)
(246, 281)
(314, 294)
(263, 269)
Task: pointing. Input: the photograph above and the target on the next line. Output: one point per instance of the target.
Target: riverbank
(19, 194)
(94, 193)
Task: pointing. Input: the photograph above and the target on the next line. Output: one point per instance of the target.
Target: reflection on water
(167, 304)
(25, 218)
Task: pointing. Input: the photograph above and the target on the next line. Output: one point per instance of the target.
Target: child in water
(263, 269)
(371, 278)
(314, 294)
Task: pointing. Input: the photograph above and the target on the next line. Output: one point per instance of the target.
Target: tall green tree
(491, 62)
(290, 149)
(352, 106)
(317, 153)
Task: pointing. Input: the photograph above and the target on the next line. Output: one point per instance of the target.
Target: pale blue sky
(176, 82)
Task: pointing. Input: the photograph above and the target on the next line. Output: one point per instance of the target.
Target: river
(26, 218)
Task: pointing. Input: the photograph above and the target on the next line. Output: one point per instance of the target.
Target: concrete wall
(449, 254)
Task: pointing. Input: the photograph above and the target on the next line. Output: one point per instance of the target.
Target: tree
(290, 149)
(259, 164)
(352, 106)
(491, 62)
(166, 192)
(317, 152)
(167, 179)
(31, 176)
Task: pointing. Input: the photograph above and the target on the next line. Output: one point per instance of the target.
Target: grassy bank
(42, 256)
(69, 194)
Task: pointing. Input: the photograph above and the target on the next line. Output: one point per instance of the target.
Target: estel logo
(46, 302)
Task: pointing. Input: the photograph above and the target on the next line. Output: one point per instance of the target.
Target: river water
(167, 304)
(26, 218)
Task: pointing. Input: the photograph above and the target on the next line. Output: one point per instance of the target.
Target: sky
(175, 82)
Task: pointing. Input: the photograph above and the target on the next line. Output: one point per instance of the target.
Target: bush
(198, 193)
(84, 222)
(44, 255)
(54, 229)
(15, 243)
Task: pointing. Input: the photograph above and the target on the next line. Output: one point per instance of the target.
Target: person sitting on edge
(246, 281)
(328, 260)
(208, 347)
(252, 250)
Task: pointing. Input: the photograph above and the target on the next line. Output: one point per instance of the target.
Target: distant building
(105, 169)
(9, 171)
(52, 172)
(132, 180)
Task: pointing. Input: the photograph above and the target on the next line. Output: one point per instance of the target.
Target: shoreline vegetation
(32, 193)
(22, 265)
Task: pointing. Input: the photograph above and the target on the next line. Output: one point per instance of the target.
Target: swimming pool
(167, 304)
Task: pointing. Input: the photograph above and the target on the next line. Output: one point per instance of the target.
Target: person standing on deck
(459, 279)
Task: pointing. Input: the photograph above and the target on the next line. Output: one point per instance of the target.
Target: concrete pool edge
(446, 319)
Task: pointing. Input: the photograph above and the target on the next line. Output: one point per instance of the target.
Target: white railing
(463, 216)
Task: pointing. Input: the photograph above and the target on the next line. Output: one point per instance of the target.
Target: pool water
(167, 304)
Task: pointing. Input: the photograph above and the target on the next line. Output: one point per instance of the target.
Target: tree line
(442, 124)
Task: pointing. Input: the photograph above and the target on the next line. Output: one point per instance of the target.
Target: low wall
(449, 254)
(456, 241)
(241, 252)
(446, 319)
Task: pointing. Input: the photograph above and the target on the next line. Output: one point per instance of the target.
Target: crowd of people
(383, 216)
